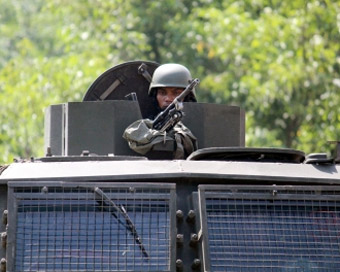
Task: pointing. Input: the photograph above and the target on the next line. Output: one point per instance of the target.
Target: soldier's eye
(162, 92)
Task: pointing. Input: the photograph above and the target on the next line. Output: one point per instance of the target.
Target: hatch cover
(248, 154)
(122, 80)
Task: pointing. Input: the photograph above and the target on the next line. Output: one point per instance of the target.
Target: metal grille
(270, 228)
(104, 228)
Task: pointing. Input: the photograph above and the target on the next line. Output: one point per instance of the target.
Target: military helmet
(171, 75)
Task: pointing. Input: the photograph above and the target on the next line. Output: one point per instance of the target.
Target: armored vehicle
(92, 204)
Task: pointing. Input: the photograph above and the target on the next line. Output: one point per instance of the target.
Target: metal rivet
(4, 217)
(180, 239)
(196, 264)
(85, 153)
(48, 152)
(193, 239)
(3, 265)
(191, 216)
(4, 239)
(179, 215)
(44, 190)
(179, 265)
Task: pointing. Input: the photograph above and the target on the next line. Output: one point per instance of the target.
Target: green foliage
(279, 60)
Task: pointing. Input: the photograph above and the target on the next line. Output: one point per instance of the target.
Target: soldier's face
(166, 95)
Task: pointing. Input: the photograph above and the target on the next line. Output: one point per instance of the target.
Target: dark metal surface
(66, 227)
(94, 126)
(98, 127)
(249, 154)
(336, 152)
(3, 207)
(318, 158)
(270, 228)
(123, 79)
(54, 129)
(74, 202)
(215, 125)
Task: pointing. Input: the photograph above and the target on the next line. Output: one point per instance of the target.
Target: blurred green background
(278, 60)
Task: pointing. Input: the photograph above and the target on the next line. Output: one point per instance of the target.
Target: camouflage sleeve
(142, 138)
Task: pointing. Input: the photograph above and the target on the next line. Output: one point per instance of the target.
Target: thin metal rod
(129, 224)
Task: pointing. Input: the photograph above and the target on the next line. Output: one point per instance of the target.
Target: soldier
(168, 81)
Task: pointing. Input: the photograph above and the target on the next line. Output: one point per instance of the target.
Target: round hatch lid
(121, 81)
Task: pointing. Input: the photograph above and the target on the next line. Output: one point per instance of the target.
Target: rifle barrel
(188, 89)
(158, 122)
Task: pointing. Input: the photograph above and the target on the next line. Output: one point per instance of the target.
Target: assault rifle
(168, 118)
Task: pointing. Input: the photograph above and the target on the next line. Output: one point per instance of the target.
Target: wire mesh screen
(93, 229)
(294, 229)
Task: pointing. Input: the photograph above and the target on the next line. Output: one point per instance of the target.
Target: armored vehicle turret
(93, 204)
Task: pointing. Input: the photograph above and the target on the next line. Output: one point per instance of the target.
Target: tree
(280, 61)
(52, 64)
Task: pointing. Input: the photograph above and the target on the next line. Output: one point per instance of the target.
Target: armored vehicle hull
(201, 215)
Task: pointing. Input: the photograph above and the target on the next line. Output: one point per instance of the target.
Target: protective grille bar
(61, 227)
(270, 228)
